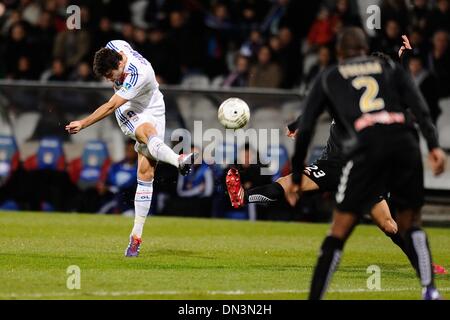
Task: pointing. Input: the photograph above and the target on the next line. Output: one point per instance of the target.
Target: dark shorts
(389, 160)
(325, 173)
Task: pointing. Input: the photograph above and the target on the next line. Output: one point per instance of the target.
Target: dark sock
(398, 240)
(416, 243)
(264, 194)
(330, 255)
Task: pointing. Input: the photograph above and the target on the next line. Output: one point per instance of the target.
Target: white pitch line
(170, 293)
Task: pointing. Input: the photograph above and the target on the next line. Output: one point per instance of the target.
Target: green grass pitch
(185, 258)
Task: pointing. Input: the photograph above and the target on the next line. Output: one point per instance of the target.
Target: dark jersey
(361, 92)
(332, 150)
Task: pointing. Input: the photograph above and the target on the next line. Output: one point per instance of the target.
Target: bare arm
(103, 111)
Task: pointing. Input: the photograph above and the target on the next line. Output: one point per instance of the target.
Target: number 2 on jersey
(369, 101)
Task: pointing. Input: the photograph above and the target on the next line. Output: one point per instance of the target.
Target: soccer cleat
(235, 190)
(185, 162)
(430, 293)
(133, 247)
(437, 269)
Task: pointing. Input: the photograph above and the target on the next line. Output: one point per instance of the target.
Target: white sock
(142, 202)
(160, 151)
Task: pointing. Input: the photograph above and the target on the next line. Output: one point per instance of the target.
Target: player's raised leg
(146, 134)
(142, 202)
(268, 193)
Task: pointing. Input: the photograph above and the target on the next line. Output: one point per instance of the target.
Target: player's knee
(284, 182)
(145, 173)
(145, 131)
(145, 176)
(389, 226)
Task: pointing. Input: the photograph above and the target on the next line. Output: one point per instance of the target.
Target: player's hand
(437, 159)
(291, 134)
(406, 46)
(74, 127)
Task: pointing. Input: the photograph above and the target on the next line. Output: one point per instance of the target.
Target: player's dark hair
(352, 42)
(106, 60)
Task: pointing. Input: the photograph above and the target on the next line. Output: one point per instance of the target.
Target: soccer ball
(234, 113)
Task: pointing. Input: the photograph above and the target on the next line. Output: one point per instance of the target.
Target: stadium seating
(92, 167)
(50, 155)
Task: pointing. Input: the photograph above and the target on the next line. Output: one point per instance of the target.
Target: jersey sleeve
(314, 105)
(132, 84)
(412, 98)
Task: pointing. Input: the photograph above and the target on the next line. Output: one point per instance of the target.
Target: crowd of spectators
(240, 43)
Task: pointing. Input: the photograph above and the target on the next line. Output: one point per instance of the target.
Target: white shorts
(129, 120)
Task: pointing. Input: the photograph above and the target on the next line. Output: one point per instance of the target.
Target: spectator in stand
(324, 60)
(248, 18)
(265, 73)
(17, 45)
(290, 58)
(44, 37)
(13, 18)
(420, 15)
(387, 41)
(321, 31)
(219, 32)
(439, 18)
(56, 73)
(342, 13)
(251, 47)
(238, 77)
(24, 71)
(418, 43)
(83, 73)
(439, 61)
(427, 83)
(394, 10)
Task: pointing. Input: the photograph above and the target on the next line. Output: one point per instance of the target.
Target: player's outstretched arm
(103, 111)
(313, 107)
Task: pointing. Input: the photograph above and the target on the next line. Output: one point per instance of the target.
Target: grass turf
(185, 258)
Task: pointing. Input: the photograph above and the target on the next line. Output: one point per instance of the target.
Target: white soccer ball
(234, 113)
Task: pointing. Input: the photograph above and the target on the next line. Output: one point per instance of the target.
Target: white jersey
(139, 85)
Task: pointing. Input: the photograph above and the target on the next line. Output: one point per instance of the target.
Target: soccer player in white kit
(140, 112)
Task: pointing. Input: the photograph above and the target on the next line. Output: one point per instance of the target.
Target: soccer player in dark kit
(367, 96)
(322, 175)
